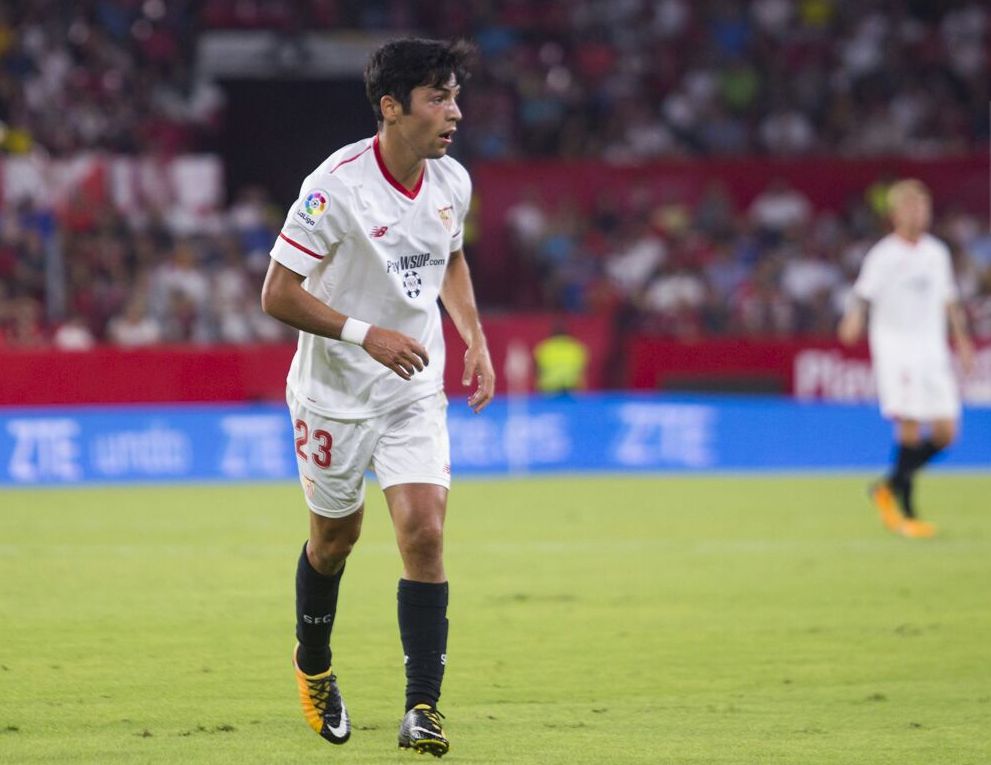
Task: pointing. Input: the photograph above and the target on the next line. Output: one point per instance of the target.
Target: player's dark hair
(399, 66)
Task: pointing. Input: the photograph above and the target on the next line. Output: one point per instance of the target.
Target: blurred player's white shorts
(917, 389)
(408, 445)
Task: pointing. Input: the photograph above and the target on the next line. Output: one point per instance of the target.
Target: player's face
(433, 118)
(912, 211)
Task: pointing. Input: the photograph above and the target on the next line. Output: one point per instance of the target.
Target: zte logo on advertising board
(44, 450)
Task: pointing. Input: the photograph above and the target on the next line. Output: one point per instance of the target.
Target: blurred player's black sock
(423, 630)
(908, 460)
(316, 606)
(900, 478)
(925, 452)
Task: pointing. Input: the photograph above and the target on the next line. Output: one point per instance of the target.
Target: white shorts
(914, 390)
(407, 445)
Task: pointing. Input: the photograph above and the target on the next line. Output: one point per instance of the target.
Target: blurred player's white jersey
(909, 286)
(378, 252)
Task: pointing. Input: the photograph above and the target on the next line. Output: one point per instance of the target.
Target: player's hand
(853, 322)
(850, 329)
(478, 367)
(400, 353)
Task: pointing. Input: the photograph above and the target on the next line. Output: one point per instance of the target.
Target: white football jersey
(378, 252)
(908, 286)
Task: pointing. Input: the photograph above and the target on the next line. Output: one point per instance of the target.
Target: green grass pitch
(593, 620)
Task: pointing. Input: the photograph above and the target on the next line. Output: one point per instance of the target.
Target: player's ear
(391, 109)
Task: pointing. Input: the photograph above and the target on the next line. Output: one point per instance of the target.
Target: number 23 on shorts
(318, 443)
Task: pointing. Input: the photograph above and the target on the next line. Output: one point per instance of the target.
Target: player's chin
(441, 146)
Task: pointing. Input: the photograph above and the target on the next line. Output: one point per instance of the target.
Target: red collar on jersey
(409, 193)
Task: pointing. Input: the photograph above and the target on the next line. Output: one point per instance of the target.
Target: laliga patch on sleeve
(313, 205)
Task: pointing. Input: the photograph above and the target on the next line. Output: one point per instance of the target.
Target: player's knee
(944, 439)
(425, 542)
(327, 556)
(328, 551)
(944, 433)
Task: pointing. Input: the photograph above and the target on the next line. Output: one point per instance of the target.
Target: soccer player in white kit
(907, 282)
(373, 240)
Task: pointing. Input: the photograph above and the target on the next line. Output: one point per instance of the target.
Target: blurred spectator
(808, 280)
(787, 131)
(254, 218)
(639, 252)
(673, 299)
(73, 335)
(980, 307)
(23, 323)
(761, 307)
(527, 223)
(135, 327)
(180, 290)
(235, 303)
(183, 321)
(780, 207)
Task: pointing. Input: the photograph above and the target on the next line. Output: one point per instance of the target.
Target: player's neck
(402, 164)
(911, 236)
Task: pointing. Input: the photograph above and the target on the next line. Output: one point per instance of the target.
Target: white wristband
(354, 331)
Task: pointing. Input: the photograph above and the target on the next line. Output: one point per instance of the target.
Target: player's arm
(284, 298)
(961, 337)
(852, 324)
(458, 297)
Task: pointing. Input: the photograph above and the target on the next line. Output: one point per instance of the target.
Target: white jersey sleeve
(872, 274)
(317, 222)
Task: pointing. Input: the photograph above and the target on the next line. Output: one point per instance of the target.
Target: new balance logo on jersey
(378, 232)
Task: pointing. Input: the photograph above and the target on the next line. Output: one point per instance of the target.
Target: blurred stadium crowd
(777, 268)
(113, 75)
(621, 80)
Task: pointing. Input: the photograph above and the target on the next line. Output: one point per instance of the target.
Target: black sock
(908, 460)
(925, 452)
(423, 631)
(316, 606)
(905, 498)
(900, 478)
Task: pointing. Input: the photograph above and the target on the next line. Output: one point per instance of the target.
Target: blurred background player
(907, 283)
(372, 242)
